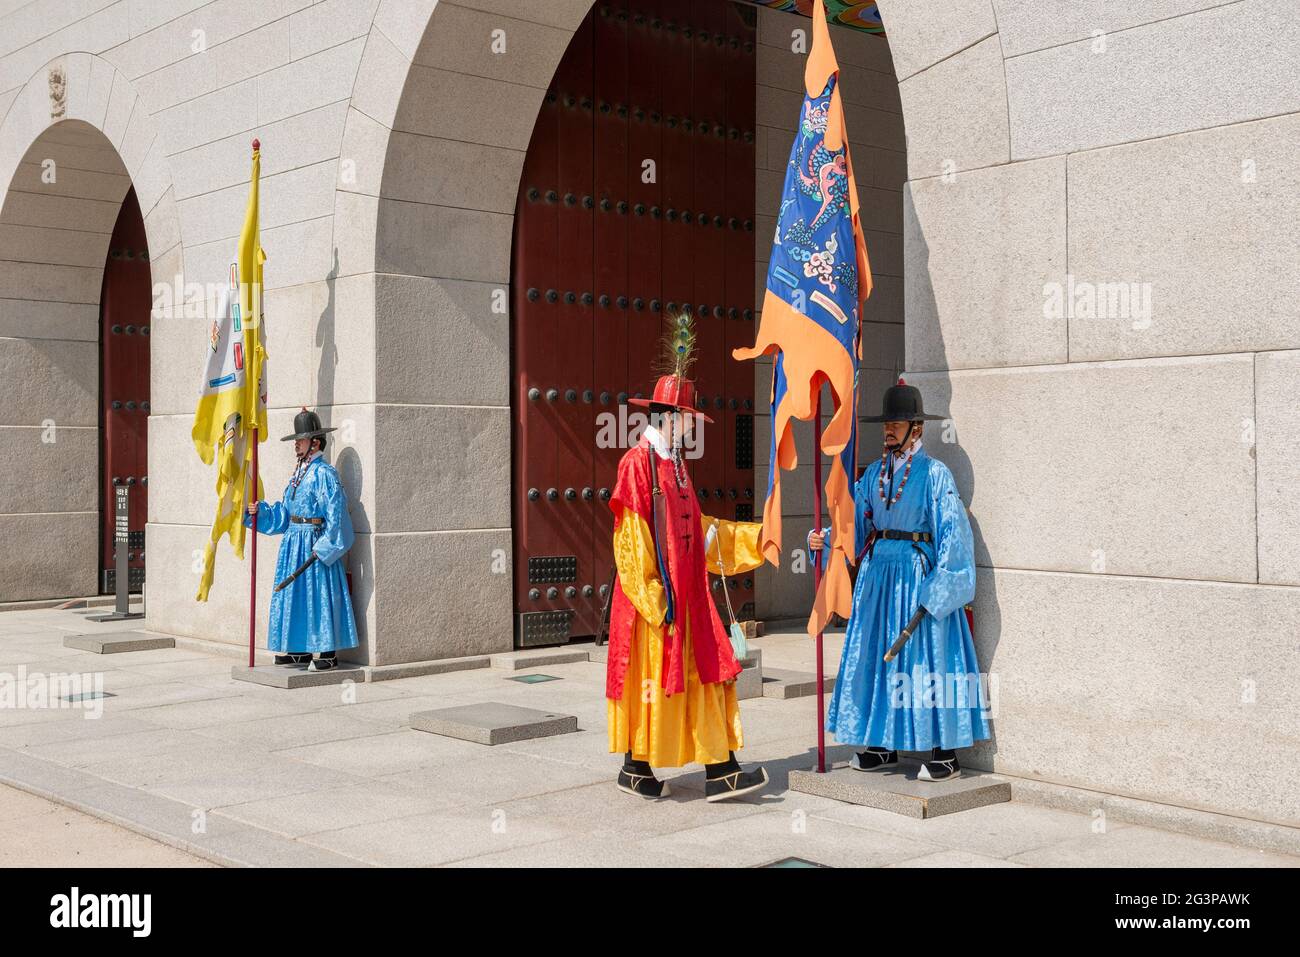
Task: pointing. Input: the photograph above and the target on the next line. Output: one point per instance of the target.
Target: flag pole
(817, 573)
(252, 577)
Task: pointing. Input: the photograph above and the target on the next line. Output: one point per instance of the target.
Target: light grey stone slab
(784, 684)
(492, 722)
(1029, 25)
(172, 822)
(1199, 667)
(387, 753)
(972, 303)
(404, 229)
(749, 683)
(62, 566)
(581, 850)
(1140, 215)
(902, 792)
(1226, 65)
(923, 32)
(1277, 460)
(499, 775)
(528, 658)
(951, 859)
(60, 470)
(119, 642)
(1132, 846)
(956, 113)
(296, 676)
(472, 615)
(1260, 835)
(458, 42)
(296, 814)
(420, 367)
(764, 838)
(1068, 444)
(424, 840)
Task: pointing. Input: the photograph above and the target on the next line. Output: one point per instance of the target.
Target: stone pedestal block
(901, 792)
(119, 642)
(491, 723)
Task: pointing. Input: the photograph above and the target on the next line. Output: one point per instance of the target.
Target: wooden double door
(636, 201)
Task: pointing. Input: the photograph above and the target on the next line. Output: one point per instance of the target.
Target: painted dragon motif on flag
(823, 174)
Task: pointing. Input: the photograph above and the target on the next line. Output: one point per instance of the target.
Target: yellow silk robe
(703, 724)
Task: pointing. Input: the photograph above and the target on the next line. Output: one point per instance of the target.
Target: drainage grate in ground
(87, 696)
(792, 862)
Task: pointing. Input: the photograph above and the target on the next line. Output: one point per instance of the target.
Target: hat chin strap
(911, 427)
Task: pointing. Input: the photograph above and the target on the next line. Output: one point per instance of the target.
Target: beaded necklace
(299, 472)
(679, 468)
(884, 460)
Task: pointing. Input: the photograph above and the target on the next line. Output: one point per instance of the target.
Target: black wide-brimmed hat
(902, 404)
(306, 425)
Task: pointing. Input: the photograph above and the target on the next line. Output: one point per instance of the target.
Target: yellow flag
(232, 397)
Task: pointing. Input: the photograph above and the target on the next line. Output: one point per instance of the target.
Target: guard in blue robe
(915, 550)
(313, 612)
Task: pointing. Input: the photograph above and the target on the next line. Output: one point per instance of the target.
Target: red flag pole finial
(257, 144)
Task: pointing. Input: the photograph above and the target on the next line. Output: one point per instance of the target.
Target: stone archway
(438, 130)
(71, 146)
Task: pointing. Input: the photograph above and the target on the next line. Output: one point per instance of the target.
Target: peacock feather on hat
(678, 346)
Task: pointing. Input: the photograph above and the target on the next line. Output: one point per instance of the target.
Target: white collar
(658, 441)
(910, 452)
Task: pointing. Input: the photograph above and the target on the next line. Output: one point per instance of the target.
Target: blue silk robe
(315, 612)
(930, 695)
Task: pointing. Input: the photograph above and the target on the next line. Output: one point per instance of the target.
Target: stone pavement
(35, 832)
(238, 773)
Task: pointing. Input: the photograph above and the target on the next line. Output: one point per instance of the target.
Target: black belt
(300, 520)
(896, 535)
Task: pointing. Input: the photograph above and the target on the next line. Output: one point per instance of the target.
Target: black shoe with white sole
(942, 766)
(728, 780)
(874, 759)
(637, 777)
(293, 659)
(323, 663)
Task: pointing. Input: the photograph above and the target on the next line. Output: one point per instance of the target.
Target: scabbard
(288, 581)
(905, 634)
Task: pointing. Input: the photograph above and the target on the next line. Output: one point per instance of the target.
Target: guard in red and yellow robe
(670, 679)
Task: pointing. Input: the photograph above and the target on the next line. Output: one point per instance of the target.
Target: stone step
(539, 657)
(491, 723)
(899, 790)
(416, 669)
(297, 676)
(784, 684)
(118, 642)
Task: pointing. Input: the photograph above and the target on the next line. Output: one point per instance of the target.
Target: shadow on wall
(325, 341)
(936, 389)
(348, 464)
(360, 560)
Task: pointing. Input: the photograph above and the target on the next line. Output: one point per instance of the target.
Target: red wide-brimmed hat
(674, 391)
